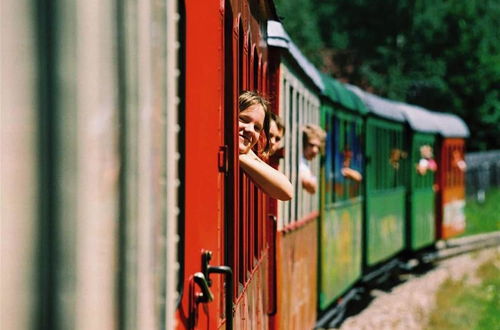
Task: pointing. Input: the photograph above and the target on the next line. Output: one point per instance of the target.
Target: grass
(461, 305)
(483, 217)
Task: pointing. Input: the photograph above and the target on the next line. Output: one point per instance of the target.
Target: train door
(246, 220)
(224, 211)
(206, 279)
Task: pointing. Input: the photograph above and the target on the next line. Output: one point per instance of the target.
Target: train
(123, 202)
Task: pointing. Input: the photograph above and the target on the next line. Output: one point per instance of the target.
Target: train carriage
(298, 103)
(93, 195)
(123, 202)
(450, 178)
(385, 185)
(420, 173)
(340, 238)
(226, 242)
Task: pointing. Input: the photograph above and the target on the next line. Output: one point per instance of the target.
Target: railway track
(457, 246)
(356, 299)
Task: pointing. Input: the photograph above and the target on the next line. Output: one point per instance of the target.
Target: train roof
(379, 106)
(277, 37)
(419, 119)
(451, 125)
(338, 93)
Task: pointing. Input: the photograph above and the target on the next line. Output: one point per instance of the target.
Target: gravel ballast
(409, 305)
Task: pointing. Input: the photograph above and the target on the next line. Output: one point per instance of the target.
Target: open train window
(299, 106)
(421, 180)
(454, 175)
(388, 157)
(246, 223)
(347, 153)
(328, 166)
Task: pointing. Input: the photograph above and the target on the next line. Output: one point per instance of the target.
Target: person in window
(458, 161)
(395, 157)
(427, 162)
(254, 119)
(313, 138)
(276, 133)
(347, 171)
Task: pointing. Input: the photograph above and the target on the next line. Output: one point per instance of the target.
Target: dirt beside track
(409, 305)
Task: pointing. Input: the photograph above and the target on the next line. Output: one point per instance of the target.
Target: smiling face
(275, 136)
(251, 124)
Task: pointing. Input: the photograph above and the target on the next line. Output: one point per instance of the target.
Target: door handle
(206, 295)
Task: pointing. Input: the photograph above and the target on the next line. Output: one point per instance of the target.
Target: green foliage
(299, 20)
(440, 54)
(483, 217)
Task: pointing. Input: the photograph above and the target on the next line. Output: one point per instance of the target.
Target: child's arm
(271, 181)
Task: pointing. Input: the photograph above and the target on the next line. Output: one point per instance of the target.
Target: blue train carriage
(385, 194)
(421, 168)
(298, 103)
(341, 193)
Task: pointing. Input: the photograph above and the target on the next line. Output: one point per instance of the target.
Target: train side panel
(341, 222)
(421, 207)
(386, 194)
(386, 225)
(423, 215)
(297, 264)
(340, 250)
(20, 167)
(451, 196)
(204, 183)
(297, 220)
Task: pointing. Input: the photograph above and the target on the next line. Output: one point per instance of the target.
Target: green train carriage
(385, 194)
(420, 169)
(341, 224)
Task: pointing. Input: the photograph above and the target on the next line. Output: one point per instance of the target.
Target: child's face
(275, 136)
(426, 151)
(311, 149)
(251, 123)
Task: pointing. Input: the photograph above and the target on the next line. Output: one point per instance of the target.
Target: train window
(299, 202)
(256, 72)
(338, 141)
(298, 107)
(248, 230)
(454, 175)
(328, 160)
(356, 157)
(451, 173)
(291, 145)
(397, 170)
(347, 154)
(388, 157)
(392, 173)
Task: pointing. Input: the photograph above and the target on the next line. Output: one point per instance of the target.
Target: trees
(442, 55)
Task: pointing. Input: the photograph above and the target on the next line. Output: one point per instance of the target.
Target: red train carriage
(450, 178)
(299, 84)
(225, 241)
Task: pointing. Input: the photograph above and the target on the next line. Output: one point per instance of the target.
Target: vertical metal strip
(173, 129)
